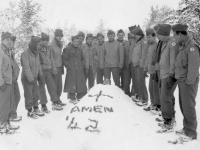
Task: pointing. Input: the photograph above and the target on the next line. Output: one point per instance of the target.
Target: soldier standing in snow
(6, 79)
(57, 46)
(112, 58)
(73, 60)
(168, 53)
(153, 85)
(187, 73)
(49, 70)
(138, 59)
(31, 73)
(97, 54)
(134, 89)
(15, 88)
(88, 54)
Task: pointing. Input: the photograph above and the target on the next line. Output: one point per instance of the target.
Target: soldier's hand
(170, 82)
(3, 87)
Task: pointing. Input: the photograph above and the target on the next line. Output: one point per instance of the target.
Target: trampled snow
(111, 122)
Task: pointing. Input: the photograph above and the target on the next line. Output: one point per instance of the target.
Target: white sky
(85, 14)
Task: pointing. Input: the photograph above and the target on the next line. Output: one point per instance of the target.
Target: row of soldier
(170, 61)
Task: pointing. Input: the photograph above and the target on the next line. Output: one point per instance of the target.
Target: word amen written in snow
(96, 109)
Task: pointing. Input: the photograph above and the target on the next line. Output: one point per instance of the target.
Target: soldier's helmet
(106, 82)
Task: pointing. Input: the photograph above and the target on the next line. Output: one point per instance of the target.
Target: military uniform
(169, 52)
(49, 70)
(138, 59)
(187, 73)
(6, 101)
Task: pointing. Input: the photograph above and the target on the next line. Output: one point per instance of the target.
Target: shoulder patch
(173, 44)
(192, 49)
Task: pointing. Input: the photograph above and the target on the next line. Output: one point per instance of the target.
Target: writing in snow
(96, 109)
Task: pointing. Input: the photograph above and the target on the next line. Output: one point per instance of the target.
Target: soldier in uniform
(134, 89)
(97, 54)
(153, 85)
(57, 47)
(73, 60)
(31, 74)
(15, 88)
(6, 78)
(120, 39)
(167, 58)
(49, 71)
(187, 73)
(88, 54)
(112, 58)
(138, 59)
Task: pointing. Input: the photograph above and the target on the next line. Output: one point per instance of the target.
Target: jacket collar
(30, 52)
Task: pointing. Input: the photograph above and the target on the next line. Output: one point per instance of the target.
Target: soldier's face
(101, 40)
(8, 43)
(75, 42)
(120, 36)
(89, 41)
(45, 43)
(13, 45)
(177, 37)
(111, 37)
(94, 42)
(150, 39)
(81, 39)
(59, 38)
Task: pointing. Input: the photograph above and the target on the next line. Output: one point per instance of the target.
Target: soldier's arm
(40, 69)
(86, 56)
(121, 56)
(95, 55)
(193, 65)
(1, 61)
(65, 59)
(173, 51)
(26, 67)
(82, 59)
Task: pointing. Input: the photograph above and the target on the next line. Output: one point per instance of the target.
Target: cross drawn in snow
(98, 95)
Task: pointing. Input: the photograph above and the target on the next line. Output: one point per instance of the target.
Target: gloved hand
(3, 87)
(170, 82)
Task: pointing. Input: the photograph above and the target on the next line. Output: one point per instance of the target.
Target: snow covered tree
(101, 27)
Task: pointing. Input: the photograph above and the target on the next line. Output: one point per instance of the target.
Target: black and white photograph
(99, 74)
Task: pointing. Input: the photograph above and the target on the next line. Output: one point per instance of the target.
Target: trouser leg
(51, 87)
(107, 73)
(58, 81)
(167, 100)
(151, 89)
(143, 94)
(36, 96)
(127, 80)
(5, 104)
(91, 78)
(135, 80)
(28, 94)
(16, 98)
(187, 95)
(116, 77)
(133, 88)
(99, 76)
(42, 90)
(156, 93)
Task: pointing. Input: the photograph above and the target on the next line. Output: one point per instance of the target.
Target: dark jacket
(73, 60)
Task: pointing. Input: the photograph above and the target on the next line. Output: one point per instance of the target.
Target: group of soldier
(170, 61)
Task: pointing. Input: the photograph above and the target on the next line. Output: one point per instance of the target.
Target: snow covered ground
(124, 127)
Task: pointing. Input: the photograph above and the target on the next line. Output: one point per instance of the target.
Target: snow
(128, 127)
